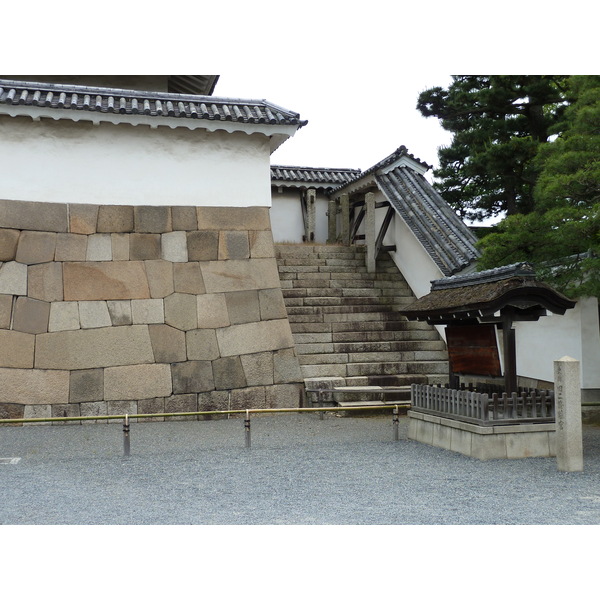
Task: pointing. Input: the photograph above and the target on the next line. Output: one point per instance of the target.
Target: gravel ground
(299, 470)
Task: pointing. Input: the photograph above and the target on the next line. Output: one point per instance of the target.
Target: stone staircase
(349, 336)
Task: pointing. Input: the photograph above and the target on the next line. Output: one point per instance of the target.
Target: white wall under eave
(68, 162)
(286, 216)
(411, 258)
(575, 334)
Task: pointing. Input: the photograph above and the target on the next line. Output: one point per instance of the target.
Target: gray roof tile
(155, 104)
(313, 175)
(445, 237)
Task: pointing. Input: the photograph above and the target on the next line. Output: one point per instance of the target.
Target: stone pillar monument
(370, 234)
(567, 396)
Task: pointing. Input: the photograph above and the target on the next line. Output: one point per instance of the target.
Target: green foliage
(562, 234)
(499, 123)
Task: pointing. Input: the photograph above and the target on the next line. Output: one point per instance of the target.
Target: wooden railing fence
(532, 406)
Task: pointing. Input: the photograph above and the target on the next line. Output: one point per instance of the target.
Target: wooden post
(510, 354)
(345, 218)
(311, 214)
(370, 235)
(332, 222)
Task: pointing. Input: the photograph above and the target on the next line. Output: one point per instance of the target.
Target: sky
(347, 128)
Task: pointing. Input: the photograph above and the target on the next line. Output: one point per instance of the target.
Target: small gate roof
(481, 296)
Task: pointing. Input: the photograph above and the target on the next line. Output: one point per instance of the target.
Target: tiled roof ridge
(521, 270)
(313, 174)
(388, 160)
(150, 103)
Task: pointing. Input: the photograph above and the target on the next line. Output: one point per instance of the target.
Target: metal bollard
(396, 422)
(247, 428)
(126, 448)
(321, 413)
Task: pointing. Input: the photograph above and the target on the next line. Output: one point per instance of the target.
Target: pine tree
(499, 123)
(562, 234)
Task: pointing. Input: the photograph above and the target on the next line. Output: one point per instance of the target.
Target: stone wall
(140, 309)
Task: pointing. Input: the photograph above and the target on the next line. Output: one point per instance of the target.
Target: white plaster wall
(411, 258)
(286, 216)
(62, 161)
(575, 334)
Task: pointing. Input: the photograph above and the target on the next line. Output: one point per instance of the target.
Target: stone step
(359, 327)
(308, 354)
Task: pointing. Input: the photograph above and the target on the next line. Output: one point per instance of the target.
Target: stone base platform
(483, 443)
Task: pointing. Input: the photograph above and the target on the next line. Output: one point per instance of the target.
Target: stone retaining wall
(140, 309)
(485, 443)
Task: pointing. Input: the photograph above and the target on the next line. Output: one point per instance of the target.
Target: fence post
(396, 424)
(247, 428)
(126, 446)
(569, 441)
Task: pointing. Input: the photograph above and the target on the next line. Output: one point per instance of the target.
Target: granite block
(122, 407)
(243, 307)
(36, 247)
(120, 312)
(148, 311)
(249, 397)
(6, 303)
(31, 316)
(11, 411)
(152, 219)
(187, 278)
(94, 314)
(151, 406)
(241, 218)
(192, 377)
(13, 279)
(181, 403)
(286, 367)
(228, 373)
(45, 282)
(272, 305)
(120, 246)
(86, 385)
(135, 382)
(99, 247)
(212, 311)
(9, 239)
(238, 275)
(35, 216)
(168, 344)
(203, 245)
(174, 246)
(37, 412)
(64, 316)
(92, 348)
(83, 218)
(160, 278)
(233, 245)
(115, 219)
(70, 247)
(34, 386)
(202, 344)
(93, 409)
(261, 244)
(184, 218)
(250, 338)
(284, 396)
(16, 349)
(258, 368)
(181, 311)
(105, 281)
(144, 246)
